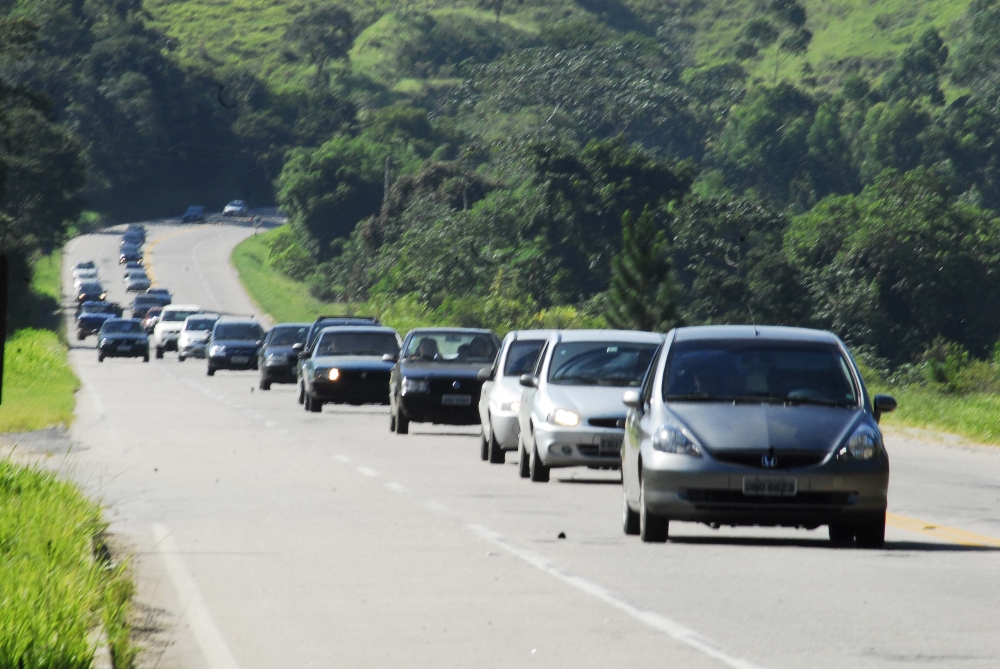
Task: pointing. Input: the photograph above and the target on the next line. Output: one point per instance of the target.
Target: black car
(133, 264)
(131, 238)
(194, 213)
(138, 231)
(92, 316)
(122, 338)
(90, 292)
(350, 365)
(143, 303)
(234, 344)
(129, 253)
(162, 295)
(436, 379)
(305, 350)
(278, 357)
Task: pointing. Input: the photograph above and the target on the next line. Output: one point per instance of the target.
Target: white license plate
(611, 445)
(456, 400)
(239, 360)
(770, 486)
(124, 347)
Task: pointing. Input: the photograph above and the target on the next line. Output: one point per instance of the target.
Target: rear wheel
(496, 454)
(484, 448)
(539, 472)
(630, 519)
(523, 468)
(159, 353)
(652, 528)
(870, 532)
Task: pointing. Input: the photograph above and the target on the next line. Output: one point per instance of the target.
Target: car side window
(647, 382)
(537, 371)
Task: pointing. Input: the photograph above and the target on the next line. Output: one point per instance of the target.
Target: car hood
(124, 336)
(589, 401)
(763, 426)
(169, 326)
(195, 335)
(86, 318)
(451, 370)
(369, 363)
(235, 343)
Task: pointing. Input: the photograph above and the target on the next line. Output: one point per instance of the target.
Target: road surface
(264, 536)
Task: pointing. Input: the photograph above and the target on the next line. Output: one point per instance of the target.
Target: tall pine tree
(643, 295)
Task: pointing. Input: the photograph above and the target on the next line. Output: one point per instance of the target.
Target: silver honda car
(571, 410)
(745, 425)
(500, 398)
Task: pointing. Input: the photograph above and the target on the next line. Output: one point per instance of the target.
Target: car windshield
(121, 326)
(243, 331)
(452, 347)
(521, 357)
(358, 343)
(158, 291)
(741, 370)
(99, 309)
(200, 324)
(155, 311)
(289, 336)
(176, 315)
(144, 301)
(91, 288)
(600, 363)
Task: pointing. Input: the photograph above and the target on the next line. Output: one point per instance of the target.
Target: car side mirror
(632, 399)
(388, 357)
(529, 380)
(297, 348)
(883, 404)
(485, 374)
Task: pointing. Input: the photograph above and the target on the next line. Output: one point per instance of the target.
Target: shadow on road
(592, 481)
(890, 546)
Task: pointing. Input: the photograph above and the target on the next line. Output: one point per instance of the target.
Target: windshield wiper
(790, 399)
(699, 397)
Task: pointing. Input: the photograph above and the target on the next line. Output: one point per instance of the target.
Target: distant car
(92, 316)
(741, 425)
(350, 365)
(128, 253)
(85, 276)
(137, 230)
(132, 273)
(122, 338)
(436, 379)
(132, 239)
(236, 208)
(161, 294)
(132, 264)
(168, 328)
(90, 292)
(86, 264)
(194, 213)
(137, 283)
(142, 304)
(305, 351)
(278, 355)
(194, 335)
(571, 410)
(234, 344)
(500, 399)
(151, 319)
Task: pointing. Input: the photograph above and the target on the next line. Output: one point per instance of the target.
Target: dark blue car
(194, 213)
(92, 315)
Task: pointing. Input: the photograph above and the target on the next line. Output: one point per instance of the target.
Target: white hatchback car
(194, 335)
(500, 399)
(168, 328)
(571, 411)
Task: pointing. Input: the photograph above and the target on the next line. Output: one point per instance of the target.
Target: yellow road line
(148, 264)
(943, 532)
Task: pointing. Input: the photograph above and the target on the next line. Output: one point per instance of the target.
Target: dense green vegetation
(38, 384)
(56, 578)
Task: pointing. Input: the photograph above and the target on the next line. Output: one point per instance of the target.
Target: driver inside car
(427, 349)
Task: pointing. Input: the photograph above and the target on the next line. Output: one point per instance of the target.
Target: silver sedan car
(500, 398)
(571, 410)
(741, 425)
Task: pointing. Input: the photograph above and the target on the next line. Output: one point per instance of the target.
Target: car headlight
(277, 359)
(564, 417)
(414, 386)
(863, 443)
(103, 295)
(672, 438)
(513, 407)
(104, 342)
(217, 350)
(333, 374)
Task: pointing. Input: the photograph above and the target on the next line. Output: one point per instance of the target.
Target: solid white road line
(213, 646)
(368, 471)
(673, 629)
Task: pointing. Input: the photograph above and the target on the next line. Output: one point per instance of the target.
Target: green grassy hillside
(410, 46)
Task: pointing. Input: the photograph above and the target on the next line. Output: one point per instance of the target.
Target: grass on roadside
(38, 384)
(56, 583)
(975, 416)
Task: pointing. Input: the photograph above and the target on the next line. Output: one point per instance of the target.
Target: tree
(643, 295)
(917, 73)
(496, 6)
(322, 34)
(784, 25)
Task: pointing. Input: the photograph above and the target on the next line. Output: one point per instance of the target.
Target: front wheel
(392, 421)
(211, 371)
(539, 472)
(484, 448)
(313, 404)
(80, 336)
(496, 454)
(265, 385)
(159, 353)
(841, 534)
(181, 358)
(870, 532)
(523, 468)
(630, 519)
(402, 423)
(100, 357)
(301, 395)
(652, 528)
(145, 358)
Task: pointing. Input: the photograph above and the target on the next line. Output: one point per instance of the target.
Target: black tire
(211, 371)
(652, 529)
(100, 358)
(402, 423)
(305, 402)
(841, 534)
(301, 394)
(484, 448)
(496, 455)
(539, 472)
(315, 405)
(159, 353)
(145, 358)
(630, 519)
(870, 532)
(265, 385)
(392, 421)
(80, 336)
(180, 358)
(523, 468)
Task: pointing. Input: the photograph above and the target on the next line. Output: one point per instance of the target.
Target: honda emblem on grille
(456, 385)
(769, 460)
(364, 375)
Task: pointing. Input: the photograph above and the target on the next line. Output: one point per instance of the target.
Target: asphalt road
(264, 536)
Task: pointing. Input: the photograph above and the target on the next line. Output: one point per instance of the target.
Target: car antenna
(756, 330)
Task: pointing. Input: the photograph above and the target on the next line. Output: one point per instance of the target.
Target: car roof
(122, 320)
(626, 336)
(238, 319)
(530, 335)
(182, 307)
(290, 325)
(769, 332)
(417, 331)
(357, 328)
(204, 315)
(195, 206)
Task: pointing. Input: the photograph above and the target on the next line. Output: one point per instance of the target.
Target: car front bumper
(227, 362)
(427, 408)
(506, 430)
(579, 446)
(352, 389)
(125, 351)
(191, 349)
(282, 373)
(684, 488)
